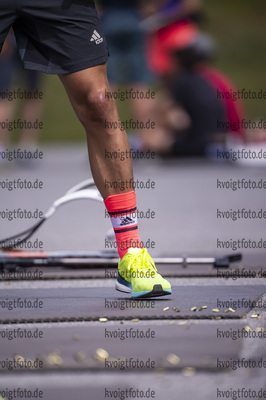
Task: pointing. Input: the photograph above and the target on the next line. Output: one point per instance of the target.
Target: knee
(95, 107)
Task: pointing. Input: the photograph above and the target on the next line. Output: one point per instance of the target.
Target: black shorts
(55, 36)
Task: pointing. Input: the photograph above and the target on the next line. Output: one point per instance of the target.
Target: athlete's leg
(87, 91)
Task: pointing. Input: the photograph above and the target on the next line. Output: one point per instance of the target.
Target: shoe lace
(141, 260)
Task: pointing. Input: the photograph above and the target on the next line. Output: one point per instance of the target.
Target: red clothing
(224, 87)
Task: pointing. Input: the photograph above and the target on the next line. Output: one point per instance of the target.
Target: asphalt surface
(89, 303)
(191, 354)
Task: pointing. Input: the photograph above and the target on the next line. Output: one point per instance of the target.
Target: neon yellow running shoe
(138, 275)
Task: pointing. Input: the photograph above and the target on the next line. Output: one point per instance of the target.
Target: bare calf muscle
(86, 90)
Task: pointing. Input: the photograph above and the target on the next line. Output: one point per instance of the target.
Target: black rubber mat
(235, 272)
(152, 347)
(93, 303)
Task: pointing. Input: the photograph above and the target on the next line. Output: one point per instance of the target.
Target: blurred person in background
(164, 23)
(192, 115)
(12, 73)
(127, 68)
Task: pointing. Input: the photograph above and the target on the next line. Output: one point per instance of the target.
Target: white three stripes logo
(96, 37)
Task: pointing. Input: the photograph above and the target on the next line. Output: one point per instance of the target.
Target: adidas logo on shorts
(96, 37)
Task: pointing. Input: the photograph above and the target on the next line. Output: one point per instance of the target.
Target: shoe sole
(155, 292)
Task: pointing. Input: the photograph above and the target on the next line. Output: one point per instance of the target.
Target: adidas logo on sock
(96, 37)
(126, 221)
